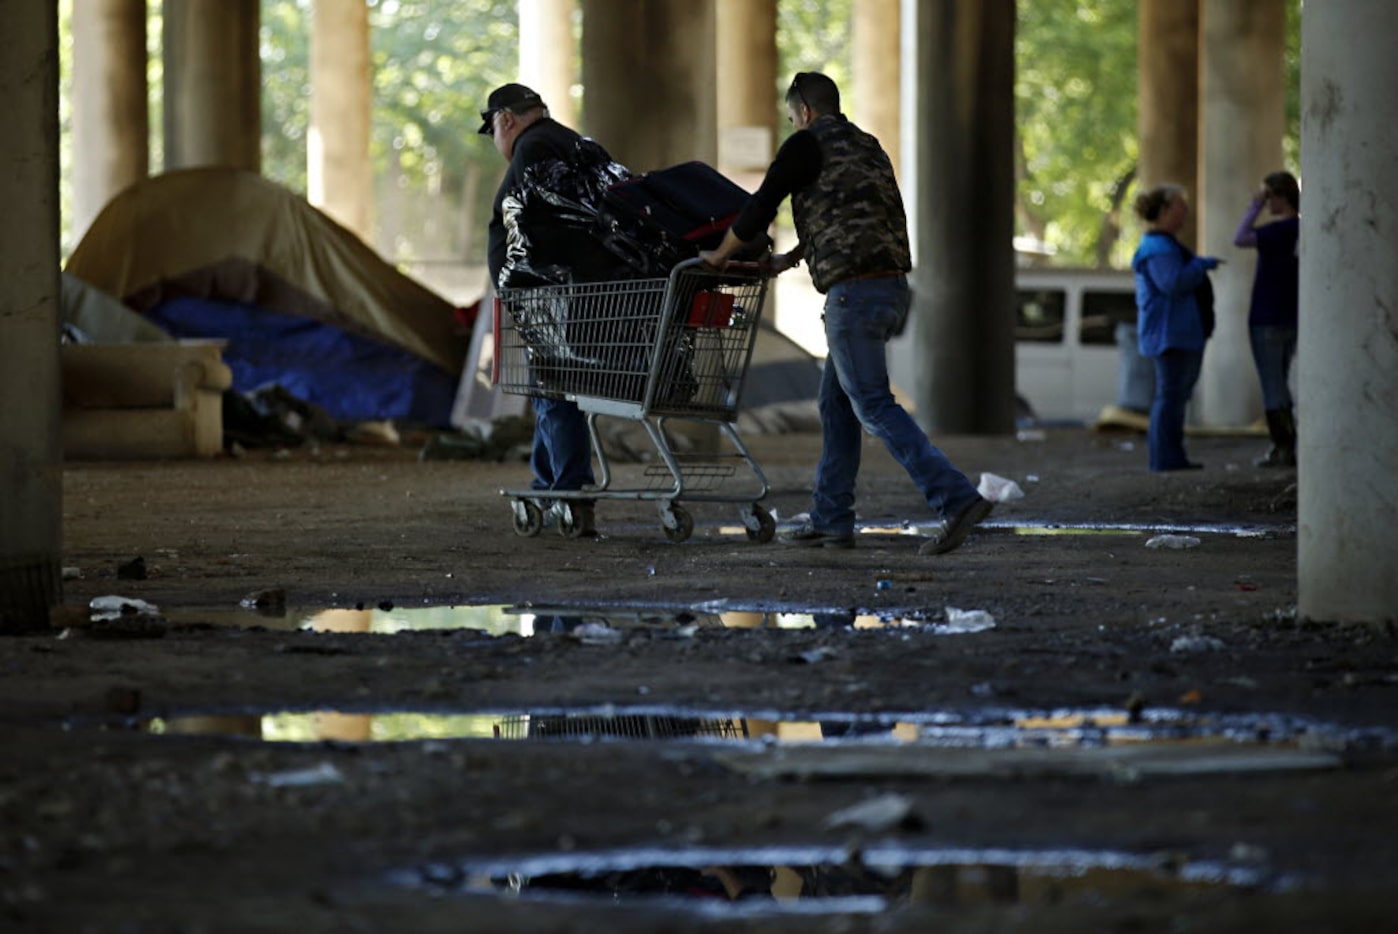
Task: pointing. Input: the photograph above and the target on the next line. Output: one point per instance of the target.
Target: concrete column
(963, 304)
(111, 116)
(876, 66)
(31, 477)
(749, 89)
(1167, 54)
(548, 54)
(213, 84)
(1243, 96)
(648, 80)
(1348, 345)
(339, 176)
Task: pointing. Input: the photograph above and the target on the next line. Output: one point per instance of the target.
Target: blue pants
(860, 316)
(562, 454)
(1272, 351)
(1176, 372)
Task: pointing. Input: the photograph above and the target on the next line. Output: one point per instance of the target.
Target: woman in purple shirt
(1272, 316)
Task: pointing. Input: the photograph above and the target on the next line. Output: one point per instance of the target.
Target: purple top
(1276, 283)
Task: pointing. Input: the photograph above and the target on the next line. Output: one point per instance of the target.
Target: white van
(1075, 344)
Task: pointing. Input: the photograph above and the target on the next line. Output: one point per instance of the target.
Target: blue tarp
(351, 377)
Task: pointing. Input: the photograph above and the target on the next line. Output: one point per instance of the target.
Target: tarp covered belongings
(302, 302)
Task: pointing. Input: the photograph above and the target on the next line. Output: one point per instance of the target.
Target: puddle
(874, 879)
(502, 619)
(984, 730)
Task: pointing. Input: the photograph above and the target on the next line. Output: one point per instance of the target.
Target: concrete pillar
(876, 67)
(339, 176)
(111, 116)
(31, 478)
(213, 84)
(963, 304)
(1243, 104)
(1347, 370)
(548, 54)
(749, 89)
(648, 80)
(1167, 55)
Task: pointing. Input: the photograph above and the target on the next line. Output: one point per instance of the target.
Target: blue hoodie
(1167, 275)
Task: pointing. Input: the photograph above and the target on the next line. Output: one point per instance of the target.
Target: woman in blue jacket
(1170, 328)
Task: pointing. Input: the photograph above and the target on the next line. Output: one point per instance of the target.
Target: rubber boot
(1282, 429)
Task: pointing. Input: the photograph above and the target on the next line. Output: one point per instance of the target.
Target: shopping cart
(646, 350)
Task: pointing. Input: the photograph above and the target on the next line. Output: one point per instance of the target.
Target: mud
(111, 826)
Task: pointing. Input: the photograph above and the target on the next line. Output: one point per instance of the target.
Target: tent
(221, 253)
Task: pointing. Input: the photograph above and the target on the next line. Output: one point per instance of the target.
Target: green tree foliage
(284, 44)
(434, 62)
(1075, 116)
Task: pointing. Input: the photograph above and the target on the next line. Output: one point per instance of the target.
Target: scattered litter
(877, 815)
(114, 607)
(1196, 644)
(814, 656)
(999, 489)
(1031, 434)
(959, 621)
(1173, 541)
(883, 584)
(269, 602)
(323, 774)
(72, 574)
(597, 634)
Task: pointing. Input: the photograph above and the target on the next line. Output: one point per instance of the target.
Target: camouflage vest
(850, 220)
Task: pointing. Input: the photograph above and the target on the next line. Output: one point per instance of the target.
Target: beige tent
(238, 241)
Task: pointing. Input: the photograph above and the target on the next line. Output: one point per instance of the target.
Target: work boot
(958, 527)
(1281, 425)
(808, 536)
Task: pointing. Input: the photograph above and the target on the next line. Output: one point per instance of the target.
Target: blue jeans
(562, 455)
(1176, 372)
(1272, 350)
(860, 315)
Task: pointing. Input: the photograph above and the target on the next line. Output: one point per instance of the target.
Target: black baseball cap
(511, 97)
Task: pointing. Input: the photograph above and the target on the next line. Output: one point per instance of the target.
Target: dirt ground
(110, 826)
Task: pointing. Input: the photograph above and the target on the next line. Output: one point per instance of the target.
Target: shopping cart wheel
(574, 521)
(528, 517)
(677, 523)
(760, 525)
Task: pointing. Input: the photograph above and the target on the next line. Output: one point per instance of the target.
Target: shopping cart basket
(646, 350)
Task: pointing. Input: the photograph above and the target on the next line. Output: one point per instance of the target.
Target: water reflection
(525, 621)
(1083, 728)
(822, 879)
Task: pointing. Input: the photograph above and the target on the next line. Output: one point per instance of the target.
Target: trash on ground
(999, 489)
(323, 774)
(114, 607)
(959, 621)
(814, 656)
(597, 634)
(1173, 541)
(1196, 644)
(877, 815)
(133, 570)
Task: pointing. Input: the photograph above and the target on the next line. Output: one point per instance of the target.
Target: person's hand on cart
(772, 263)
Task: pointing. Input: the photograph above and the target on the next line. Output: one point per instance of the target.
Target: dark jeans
(1272, 350)
(860, 316)
(562, 455)
(1176, 372)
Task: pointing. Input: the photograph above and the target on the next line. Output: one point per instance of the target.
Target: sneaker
(958, 527)
(808, 536)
